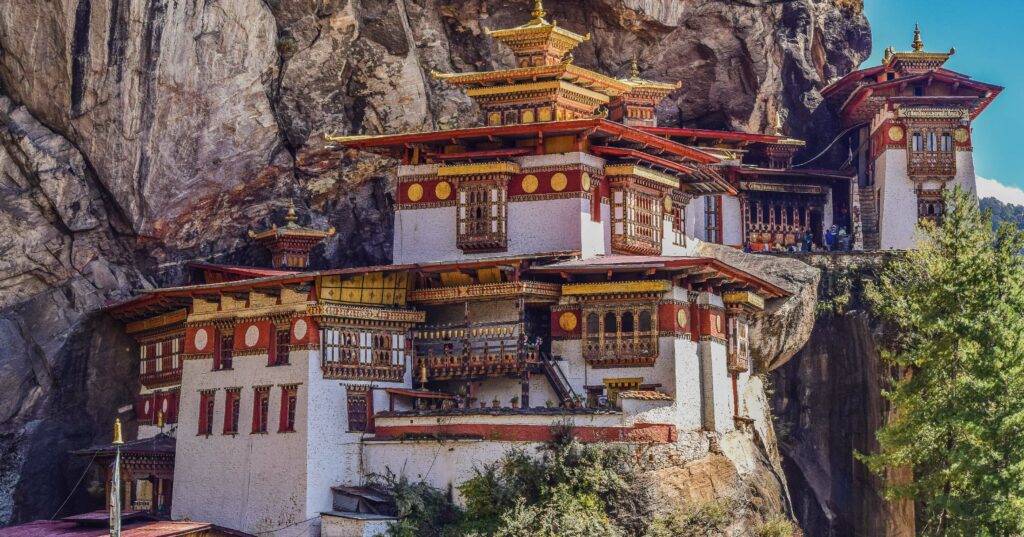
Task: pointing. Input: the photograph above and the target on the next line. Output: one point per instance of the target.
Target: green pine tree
(957, 304)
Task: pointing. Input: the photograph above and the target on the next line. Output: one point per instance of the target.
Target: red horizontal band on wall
(641, 432)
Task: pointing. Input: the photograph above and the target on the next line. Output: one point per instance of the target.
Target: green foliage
(778, 526)
(568, 489)
(423, 510)
(700, 520)
(1003, 212)
(957, 304)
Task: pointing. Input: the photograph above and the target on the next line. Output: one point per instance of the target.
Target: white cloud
(990, 188)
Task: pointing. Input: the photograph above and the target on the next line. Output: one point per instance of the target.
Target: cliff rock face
(138, 134)
(827, 403)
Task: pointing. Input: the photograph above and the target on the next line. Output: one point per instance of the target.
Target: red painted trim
(573, 183)
(728, 136)
(641, 432)
(640, 155)
(493, 153)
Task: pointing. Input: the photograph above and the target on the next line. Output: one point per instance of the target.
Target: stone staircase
(869, 219)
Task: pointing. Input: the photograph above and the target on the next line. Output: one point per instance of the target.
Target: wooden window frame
(363, 353)
(289, 408)
(482, 215)
(713, 219)
(207, 409)
(225, 352)
(679, 224)
(357, 410)
(232, 410)
(261, 410)
(931, 151)
(621, 347)
(637, 219)
(281, 346)
(738, 343)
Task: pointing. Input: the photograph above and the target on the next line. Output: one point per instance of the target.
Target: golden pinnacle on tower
(918, 44)
(538, 12)
(160, 419)
(118, 437)
(291, 218)
(634, 68)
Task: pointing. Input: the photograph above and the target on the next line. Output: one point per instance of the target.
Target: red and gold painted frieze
(252, 337)
(711, 325)
(566, 323)
(304, 332)
(895, 134)
(200, 340)
(674, 318)
(541, 183)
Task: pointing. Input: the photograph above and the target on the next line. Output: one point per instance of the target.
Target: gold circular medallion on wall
(559, 181)
(443, 190)
(667, 202)
(530, 184)
(567, 321)
(585, 182)
(415, 192)
(681, 318)
(961, 135)
(896, 133)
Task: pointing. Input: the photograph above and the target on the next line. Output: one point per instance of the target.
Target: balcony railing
(478, 350)
(931, 163)
(622, 349)
(160, 371)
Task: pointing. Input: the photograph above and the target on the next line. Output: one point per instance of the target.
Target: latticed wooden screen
(482, 216)
(620, 335)
(930, 152)
(636, 220)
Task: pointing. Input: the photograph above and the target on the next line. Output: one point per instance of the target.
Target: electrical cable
(80, 478)
(837, 138)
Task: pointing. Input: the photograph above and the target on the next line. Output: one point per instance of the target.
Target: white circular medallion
(145, 408)
(163, 406)
(300, 329)
(201, 339)
(252, 335)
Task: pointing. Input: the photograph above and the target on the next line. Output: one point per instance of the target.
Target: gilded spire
(634, 68)
(291, 218)
(777, 125)
(538, 11)
(118, 437)
(918, 44)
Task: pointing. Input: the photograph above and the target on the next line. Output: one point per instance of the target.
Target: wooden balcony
(931, 163)
(160, 371)
(513, 362)
(626, 349)
(359, 371)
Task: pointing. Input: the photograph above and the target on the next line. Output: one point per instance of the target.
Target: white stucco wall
(898, 198)
(250, 482)
(536, 226)
(339, 526)
(732, 221)
(334, 453)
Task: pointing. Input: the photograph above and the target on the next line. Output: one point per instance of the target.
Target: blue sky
(989, 45)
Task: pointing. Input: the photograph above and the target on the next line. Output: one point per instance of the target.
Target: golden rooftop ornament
(118, 437)
(538, 12)
(634, 69)
(918, 45)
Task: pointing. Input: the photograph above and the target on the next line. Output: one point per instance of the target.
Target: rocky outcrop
(138, 134)
(828, 404)
(62, 372)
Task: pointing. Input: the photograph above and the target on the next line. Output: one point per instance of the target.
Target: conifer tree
(957, 304)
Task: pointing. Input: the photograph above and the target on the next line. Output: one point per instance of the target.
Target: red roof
(708, 134)
(129, 528)
(249, 272)
(600, 128)
(638, 262)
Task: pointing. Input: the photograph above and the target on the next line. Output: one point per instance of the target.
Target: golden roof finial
(634, 68)
(777, 125)
(538, 11)
(918, 44)
(888, 55)
(290, 217)
(160, 419)
(118, 437)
